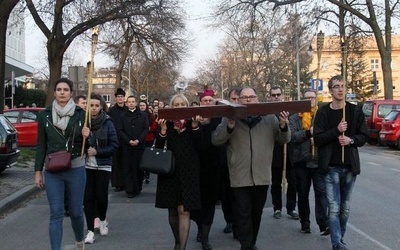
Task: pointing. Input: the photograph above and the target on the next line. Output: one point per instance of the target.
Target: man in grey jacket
(250, 143)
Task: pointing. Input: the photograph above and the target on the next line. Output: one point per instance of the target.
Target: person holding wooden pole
(306, 168)
(331, 133)
(282, 172)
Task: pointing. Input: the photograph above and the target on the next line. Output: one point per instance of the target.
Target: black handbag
(158, 160)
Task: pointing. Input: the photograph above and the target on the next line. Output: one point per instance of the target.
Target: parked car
(390, 132)
(24, 120)
(375, 111)
(9, 151)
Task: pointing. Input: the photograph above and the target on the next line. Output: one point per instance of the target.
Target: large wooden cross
(239, 111)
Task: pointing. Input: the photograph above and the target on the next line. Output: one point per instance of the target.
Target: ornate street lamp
(320, 45)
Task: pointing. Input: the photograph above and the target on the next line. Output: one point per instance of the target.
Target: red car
(390, 132)
(24, 120)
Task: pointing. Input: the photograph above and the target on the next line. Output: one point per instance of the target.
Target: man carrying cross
(250, 143)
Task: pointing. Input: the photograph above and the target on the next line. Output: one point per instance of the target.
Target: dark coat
(183, 186)
(133, 126)
(325, 134)
(210, 165)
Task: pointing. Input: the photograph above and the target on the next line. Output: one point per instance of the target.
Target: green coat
(50, 141)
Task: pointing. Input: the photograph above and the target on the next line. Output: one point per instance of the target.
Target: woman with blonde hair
(180, 192)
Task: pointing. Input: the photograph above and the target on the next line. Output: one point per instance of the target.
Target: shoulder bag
(158, 161)
(61, 160)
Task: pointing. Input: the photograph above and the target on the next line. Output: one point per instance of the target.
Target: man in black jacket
(339, 129)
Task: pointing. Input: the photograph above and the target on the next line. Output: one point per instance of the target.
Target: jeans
(339, 185)
(73, 181)
(248, 207)
(304, 177)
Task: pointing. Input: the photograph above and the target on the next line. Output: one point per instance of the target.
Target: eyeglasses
(309, 97)
(251, 97)
(337, 86)
(276, 95)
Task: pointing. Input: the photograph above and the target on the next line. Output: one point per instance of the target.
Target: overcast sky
(204, 44)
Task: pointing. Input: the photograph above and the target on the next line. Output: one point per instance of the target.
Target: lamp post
(298, 48)
(320, 45)
(129, 75)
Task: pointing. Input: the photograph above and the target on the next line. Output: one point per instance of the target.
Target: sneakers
(228, 229)
(277, 214)
(103, 227)
(97, 224)
(324, 232)
(293, 214)
(89, 239)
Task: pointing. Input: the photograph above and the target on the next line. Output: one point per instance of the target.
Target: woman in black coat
(180, 192)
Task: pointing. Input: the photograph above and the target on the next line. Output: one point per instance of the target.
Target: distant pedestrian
(57, 125)
(81, 101)
(117, 174)
(335, 133)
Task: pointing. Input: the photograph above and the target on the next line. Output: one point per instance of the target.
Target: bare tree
(377, 16)
(6, 7)
(62, 21)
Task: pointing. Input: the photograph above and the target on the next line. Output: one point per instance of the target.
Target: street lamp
(320, 45)
(298, 48)
(129, 76)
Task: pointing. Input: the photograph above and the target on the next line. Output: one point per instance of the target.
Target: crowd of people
(224, 159)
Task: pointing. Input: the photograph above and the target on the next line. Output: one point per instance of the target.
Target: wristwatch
(351, 141)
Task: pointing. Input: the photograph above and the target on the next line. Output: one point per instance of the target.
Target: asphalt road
(137, 224)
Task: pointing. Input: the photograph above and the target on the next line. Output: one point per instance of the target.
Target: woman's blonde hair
(173, 98)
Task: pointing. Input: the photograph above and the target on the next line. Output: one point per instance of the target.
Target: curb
(16, 198)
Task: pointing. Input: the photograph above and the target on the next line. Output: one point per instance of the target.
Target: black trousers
(96, 195)
(248, 208)
(117, 174)
(304, 178)
(276, 189)
(133, 175)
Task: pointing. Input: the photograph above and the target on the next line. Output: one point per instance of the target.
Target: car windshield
(12, 116)
(392, 115)
(367, 109)
(6, 124)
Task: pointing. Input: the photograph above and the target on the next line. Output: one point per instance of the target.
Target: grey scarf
(61, 115)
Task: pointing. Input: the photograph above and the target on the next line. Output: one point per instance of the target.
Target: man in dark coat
(117, 174)
(132, 130)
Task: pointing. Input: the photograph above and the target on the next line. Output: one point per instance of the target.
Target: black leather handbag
(158, 160)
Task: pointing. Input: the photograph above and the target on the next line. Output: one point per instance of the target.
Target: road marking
(396, 170)
(373, 163)
(381, 245)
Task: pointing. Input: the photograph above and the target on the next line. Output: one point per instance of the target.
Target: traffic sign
(314, 84)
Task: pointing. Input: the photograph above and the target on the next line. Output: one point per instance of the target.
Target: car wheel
(371, 141)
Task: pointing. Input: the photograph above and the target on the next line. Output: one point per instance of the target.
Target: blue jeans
(73, 181)
(339, 185)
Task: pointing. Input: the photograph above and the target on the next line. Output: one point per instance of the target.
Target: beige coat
(249, 151)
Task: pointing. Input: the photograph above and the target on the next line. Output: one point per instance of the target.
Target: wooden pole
(90, 82)
(284, 181)
(344, 76)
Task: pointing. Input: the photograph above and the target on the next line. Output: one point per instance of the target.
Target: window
(374, 64)
(28, 116)
(107, 98)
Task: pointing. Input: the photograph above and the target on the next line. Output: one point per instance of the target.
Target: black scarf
(252, 120)
(99, 133)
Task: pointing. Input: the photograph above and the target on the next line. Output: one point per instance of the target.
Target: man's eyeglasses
(251, 97)
(337, 86)
(276, 95)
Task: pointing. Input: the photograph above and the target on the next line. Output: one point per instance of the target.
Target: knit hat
(207, 92)
(119, 92)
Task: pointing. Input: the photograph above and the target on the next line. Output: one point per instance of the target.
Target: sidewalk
(16, 184)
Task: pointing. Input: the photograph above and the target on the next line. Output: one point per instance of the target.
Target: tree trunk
(55, 58)
(387, 76)
(6, 7)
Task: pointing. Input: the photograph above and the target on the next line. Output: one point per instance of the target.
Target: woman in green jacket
(59, 128)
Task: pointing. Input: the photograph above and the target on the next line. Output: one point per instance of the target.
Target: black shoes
(228, 228)
(119, 189)
(206, 245)
(293, 214)
(305, 227)
(324, 232)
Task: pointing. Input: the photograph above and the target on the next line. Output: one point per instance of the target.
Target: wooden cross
(233, 110)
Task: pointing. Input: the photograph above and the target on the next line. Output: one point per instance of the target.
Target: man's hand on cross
(283, 119)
